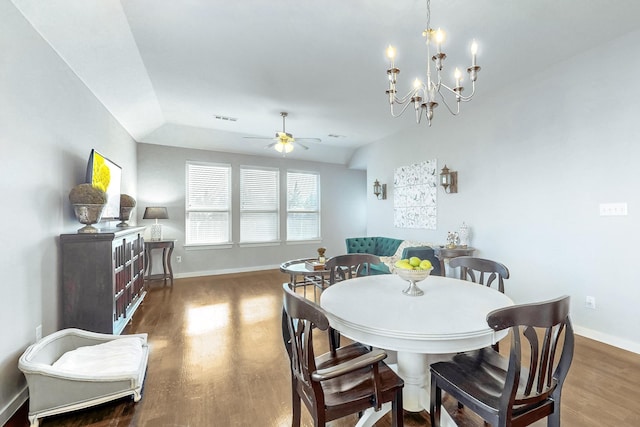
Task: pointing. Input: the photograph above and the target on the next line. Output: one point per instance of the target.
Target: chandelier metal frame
(423, 94)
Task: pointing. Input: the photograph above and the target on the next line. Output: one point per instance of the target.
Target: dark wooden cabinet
(102, 278)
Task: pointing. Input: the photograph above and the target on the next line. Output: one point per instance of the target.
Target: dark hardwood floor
(217, 359)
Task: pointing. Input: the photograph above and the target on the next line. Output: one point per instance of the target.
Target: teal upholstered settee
(387, 247)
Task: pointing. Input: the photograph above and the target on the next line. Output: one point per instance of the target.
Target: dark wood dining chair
(348, 266)
(516, 390)
(481, 271)
(341, 382)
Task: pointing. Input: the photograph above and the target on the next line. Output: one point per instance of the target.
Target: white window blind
(259, 205)
(208, 204)
(303, 206)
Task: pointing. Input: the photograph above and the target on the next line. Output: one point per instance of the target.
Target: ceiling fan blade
(258, 137)
(270, 145)
(309, 139)
(297, 142)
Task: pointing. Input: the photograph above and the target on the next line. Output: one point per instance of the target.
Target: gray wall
(49, 122)
(534, 162)
(161, 181)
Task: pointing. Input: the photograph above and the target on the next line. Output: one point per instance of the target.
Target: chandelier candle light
(423, 94)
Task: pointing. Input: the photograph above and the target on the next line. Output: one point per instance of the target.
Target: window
(259, 205)
(208, 204)
(303, 206)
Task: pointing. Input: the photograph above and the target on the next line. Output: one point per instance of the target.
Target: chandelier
(423, 95)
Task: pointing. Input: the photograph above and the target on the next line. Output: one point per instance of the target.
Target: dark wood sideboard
(102, 278)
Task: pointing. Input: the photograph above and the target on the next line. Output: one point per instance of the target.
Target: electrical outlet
(590, 302)
(178, 258)
(38, 332)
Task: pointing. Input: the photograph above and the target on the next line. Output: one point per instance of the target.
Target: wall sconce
(380, 190)
(156, 213)
(449, 180)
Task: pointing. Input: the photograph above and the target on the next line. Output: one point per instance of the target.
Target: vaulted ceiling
(165, 69)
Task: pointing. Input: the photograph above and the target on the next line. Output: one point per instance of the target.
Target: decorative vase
(125, 215)
(463, 233)
(88, 214)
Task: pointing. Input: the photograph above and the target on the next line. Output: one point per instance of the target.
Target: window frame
(277, 210)
(317, 211)
(228, 210)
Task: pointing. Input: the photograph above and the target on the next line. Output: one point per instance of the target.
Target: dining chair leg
(319, 419)
(435, 404)
(295, 405)
(397, 412)
(334, 340)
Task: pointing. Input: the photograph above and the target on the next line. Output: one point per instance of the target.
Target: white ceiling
(165, 68)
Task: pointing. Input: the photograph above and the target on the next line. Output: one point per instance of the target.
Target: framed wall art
(414, 195)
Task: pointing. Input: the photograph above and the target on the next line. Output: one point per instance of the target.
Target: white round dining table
(450, 317)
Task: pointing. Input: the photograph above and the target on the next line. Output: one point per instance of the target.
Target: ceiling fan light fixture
(284, 141)
(285, 147)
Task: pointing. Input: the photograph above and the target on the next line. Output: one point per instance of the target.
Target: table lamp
(156, 213)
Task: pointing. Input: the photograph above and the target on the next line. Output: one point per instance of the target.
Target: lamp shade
(155, 213)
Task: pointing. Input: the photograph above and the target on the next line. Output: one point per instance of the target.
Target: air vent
(226, 118)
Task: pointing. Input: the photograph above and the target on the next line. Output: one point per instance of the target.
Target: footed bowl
(413, 277)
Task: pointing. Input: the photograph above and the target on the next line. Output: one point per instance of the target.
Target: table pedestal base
(413, 368)
(370, 416)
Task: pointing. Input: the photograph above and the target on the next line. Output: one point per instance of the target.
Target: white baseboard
(226, 271)
(608, 339)
(7, 412)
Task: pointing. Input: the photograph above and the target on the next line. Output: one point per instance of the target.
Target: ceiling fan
(284, 141)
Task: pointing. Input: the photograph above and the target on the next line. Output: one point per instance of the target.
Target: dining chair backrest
(548, 332)
(300, 317)
(527, 385)
(480, 270)
(343, 381)
(348, 266)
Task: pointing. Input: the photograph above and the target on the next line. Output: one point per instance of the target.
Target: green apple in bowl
(425, 264)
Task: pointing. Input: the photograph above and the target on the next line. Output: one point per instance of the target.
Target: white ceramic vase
(463, 234)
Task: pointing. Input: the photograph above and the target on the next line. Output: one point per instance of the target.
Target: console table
(443, 253)
(167, 246)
